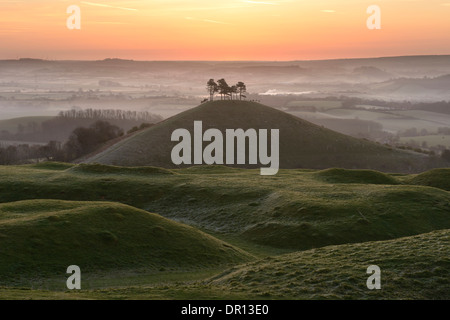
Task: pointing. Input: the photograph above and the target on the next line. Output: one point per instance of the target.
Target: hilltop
(302, 144)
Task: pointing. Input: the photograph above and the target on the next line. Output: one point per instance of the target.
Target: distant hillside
(45, 129)
(414, 86)
(12, 125)
(302, 144)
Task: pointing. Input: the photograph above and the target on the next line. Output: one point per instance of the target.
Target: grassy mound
(378, 215)
(41, 238)
(438, 178)
(102, 169)
(51, 165)
(292, 210)
(335, 175)
(411, 268)
(302, 144)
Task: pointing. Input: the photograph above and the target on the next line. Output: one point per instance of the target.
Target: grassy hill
(296, 209)
(41, 238)
(302, 144)
(438, 178)
(411, 268)
(302, 234)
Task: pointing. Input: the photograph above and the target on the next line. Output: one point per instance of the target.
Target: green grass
(41, 238)
(336, 175)
(437, 178)
(296, 209)
(99, 169)
(298, 217)
(411, 268)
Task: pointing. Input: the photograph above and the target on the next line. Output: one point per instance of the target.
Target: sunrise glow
(222, 30)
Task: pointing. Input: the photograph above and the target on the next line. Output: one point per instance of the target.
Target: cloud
(207, 20)
(107, 6)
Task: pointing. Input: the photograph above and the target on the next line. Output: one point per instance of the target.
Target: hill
(302, 144)
(411, 268)
(41, 238)
(438, 178)
(294, 210)
(12, 124)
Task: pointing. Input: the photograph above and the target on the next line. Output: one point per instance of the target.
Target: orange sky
(222, 30)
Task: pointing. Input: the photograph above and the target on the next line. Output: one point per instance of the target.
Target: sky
(270, 30)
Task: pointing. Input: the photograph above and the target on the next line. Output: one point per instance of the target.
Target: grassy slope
(40, 238)
(266, 216)
(411, 268)
(438, 178)
(302, 144)
(297, 209)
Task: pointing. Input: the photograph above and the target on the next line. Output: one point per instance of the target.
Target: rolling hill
(294, 210)
(411, 268)
(41, 238)
(302, 144)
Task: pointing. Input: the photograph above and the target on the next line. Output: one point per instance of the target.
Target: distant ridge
(302, 144)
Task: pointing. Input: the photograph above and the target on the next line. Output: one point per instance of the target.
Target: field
(216, 232)
(12, 124)
(430, 140)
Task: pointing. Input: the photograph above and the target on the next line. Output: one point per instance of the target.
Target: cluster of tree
(59, 128)
(422, 147)
(110, 114)
(83, 140)
(25, 153)
(226, 91)
(142, 126)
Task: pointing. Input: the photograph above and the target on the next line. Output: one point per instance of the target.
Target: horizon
(302, 60)
(239, 30)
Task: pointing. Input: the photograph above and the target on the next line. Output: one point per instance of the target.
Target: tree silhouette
(224, 88)
(233, 90)
(212, 88)
(241, 88)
